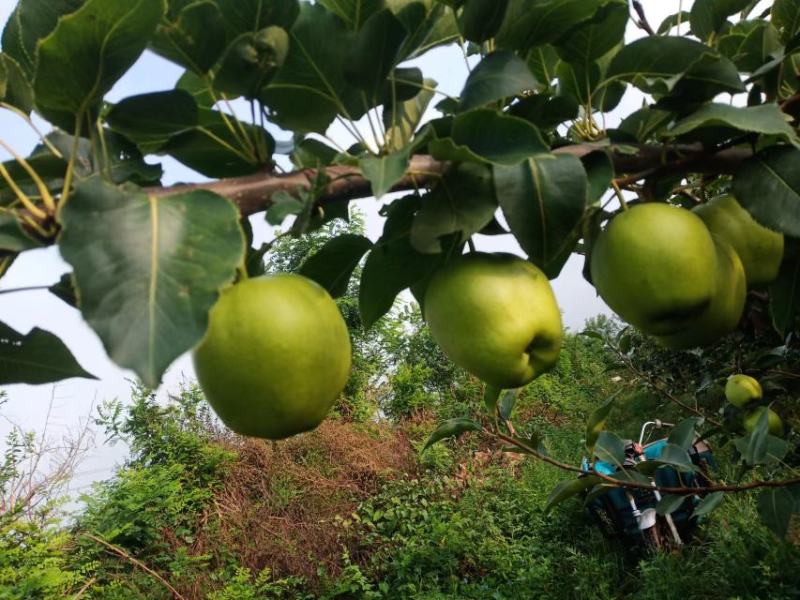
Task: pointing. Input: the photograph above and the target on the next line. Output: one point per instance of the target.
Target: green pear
(275, 357)
(775, 422)
(495, 315)
(655, 265)
(725, 310)
(760, 249)
(742, 389)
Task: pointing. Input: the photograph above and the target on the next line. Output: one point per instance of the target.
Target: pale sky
(73, 398)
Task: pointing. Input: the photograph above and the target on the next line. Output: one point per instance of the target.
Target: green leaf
(401, 119)
(484, 135)
(64, 290)
(429, 24)
(491, 396)
(374, 53)
(675, 456)
(543, 200)
(213, 150)
(542, 61)
(242, 16)
(683, 434)
(198, 88)
(762, 451)
(646, 123)
(768, 187)
(708, 504)
(664, 65)
(154, 117)
(31, 21)
(15, 89)
(451, 428)
(87, 53)
(766, 119)
(481, 19)
(194, 38)
(594, 38)
(610, 448)
(597, 421)
(545, 111)
(34, 358)
(393, 264)
(599, 172)
(463, 202)
(383, 172)
(569, 488)
(12, 237)
(251, 60)
(785, 17)
(148, 269)
(353, 12)
(669, 503)
(775, 507)
(707, 17)
(530, 23)
(309, 90)
(750, 44)
(784, 292)
(501, 74)
(283, 205)
(505, 406)
(672, 21)
(333, 265)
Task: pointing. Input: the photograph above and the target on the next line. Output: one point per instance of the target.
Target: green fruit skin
(775, 422)
(760, 249)
(726, 308)
(655, 266)
(741, 389)
(275, 357)
(496, 316)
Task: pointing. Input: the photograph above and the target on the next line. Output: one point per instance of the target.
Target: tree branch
(254, 193)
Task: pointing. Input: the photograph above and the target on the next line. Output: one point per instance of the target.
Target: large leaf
(775, 507)
(86, 54)
(708, 504)
(353, 12)
(15, 89)
(401, 119)
(594, 38)
(768, 186)
(597, 422)
(154, 117)
(429, 24)
(451, 428)
(500, 75)
(31, 21)
(531, 23)
(484, 135)
(393, 264)
(766, 119)
(610, 448)
(38, 357)
(148, 269)
(543, 200)
(195, 38)
(242, 16)
(481, 19)
(212, 149)
(310, 89)
(664, 65)
(333, 265)
(568, 489)
(12, 236)
(384, 171)
(250, 61)
(708, 16)
(374, 52)
(784, 293)
(463, 203)
(750, 44)
(683, 434)
(786, 17)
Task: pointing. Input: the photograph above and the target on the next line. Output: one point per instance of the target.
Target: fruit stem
(621, 197)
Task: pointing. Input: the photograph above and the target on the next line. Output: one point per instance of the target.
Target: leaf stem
(56, 152)
(47, 198)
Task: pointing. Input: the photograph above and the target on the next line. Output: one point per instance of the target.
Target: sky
(73, 400)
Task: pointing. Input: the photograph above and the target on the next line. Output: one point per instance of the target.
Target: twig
(642, 23)
(122, 554)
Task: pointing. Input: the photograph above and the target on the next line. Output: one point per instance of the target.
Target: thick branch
(254, 193)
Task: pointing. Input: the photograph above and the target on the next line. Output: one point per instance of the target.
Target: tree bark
(254, 193)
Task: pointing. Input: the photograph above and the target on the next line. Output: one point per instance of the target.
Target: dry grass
(279, 502)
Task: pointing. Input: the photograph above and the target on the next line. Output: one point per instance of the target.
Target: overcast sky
(73, 398)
